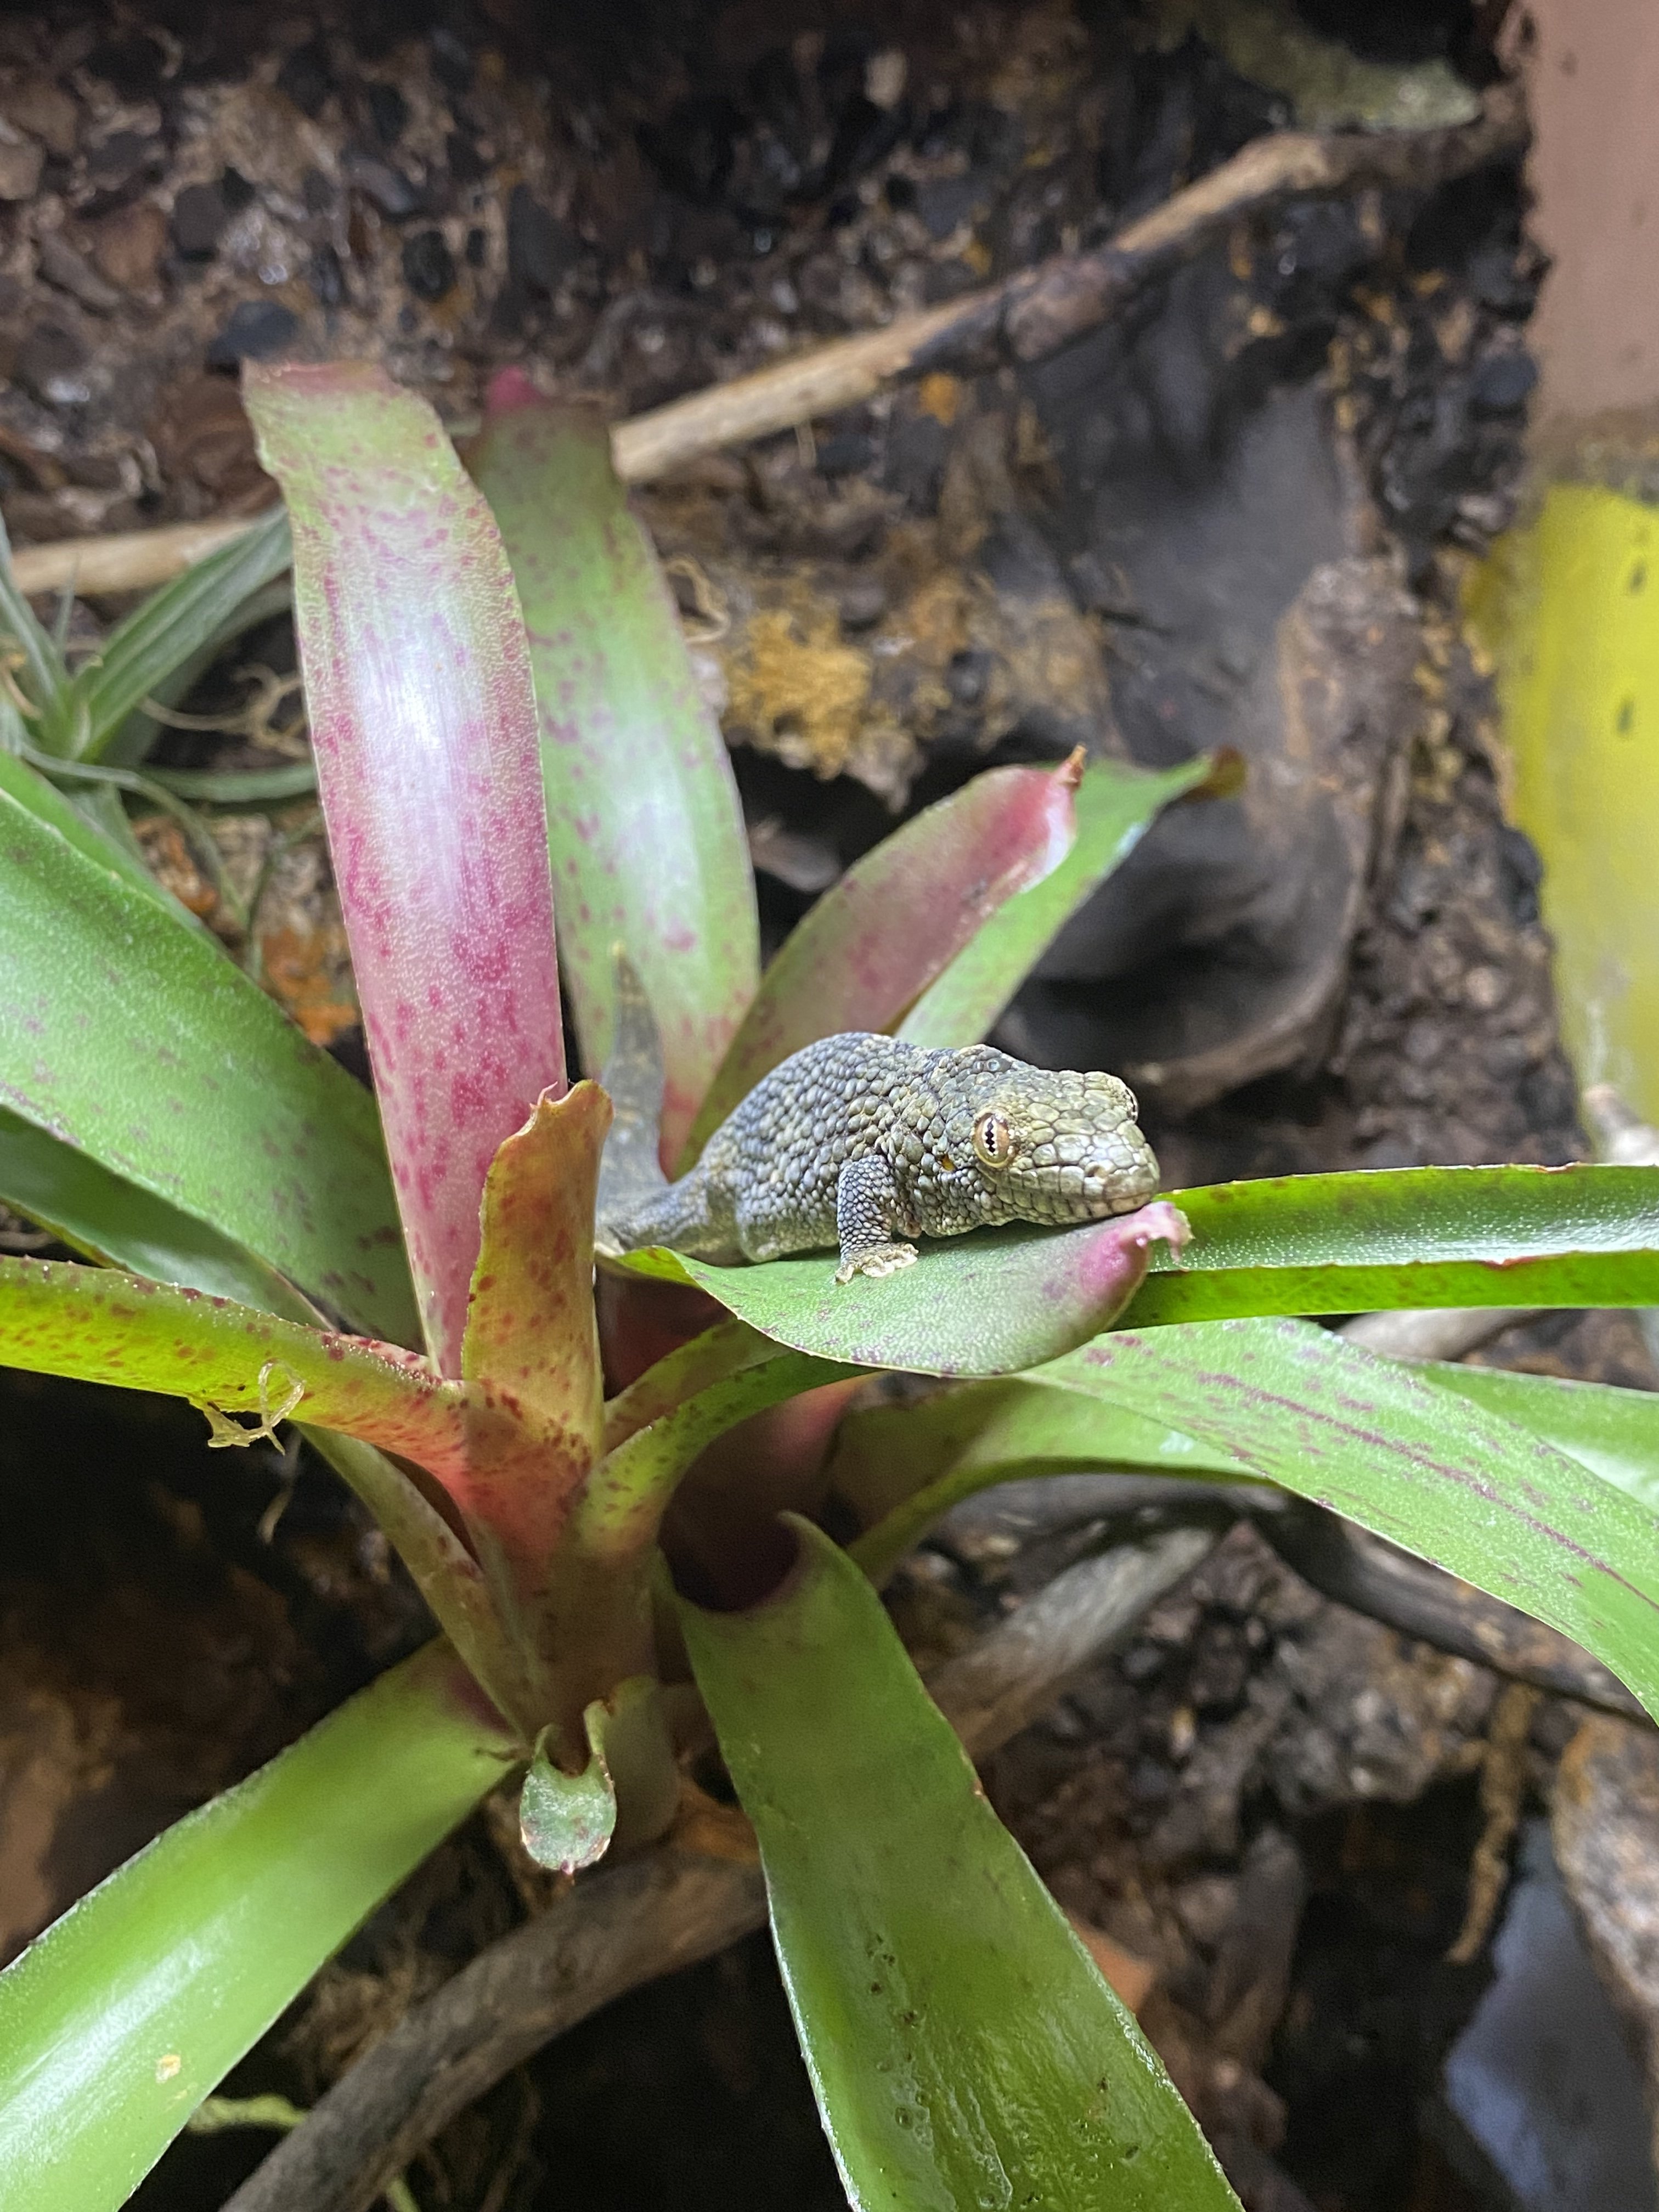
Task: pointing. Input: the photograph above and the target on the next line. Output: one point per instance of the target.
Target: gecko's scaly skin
(861, 1140)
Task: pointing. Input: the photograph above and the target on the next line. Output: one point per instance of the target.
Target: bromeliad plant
(505, 720)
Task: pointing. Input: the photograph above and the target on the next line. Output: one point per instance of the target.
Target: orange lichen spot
(304, 969)
(940, 395)
(175, 866)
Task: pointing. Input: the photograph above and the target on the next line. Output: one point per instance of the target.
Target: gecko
(862, 1142)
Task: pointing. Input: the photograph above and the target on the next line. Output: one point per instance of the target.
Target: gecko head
(1044, 1144)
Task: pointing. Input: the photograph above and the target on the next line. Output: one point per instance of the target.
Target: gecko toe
(883, 1260)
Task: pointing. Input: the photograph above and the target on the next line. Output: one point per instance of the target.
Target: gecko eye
(994, 1141)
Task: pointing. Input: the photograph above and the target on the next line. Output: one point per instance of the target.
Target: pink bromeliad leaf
(423, 717)
(897, 918)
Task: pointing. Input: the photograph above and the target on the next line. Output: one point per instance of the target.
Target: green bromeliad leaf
(1613, 1432)
(119, 2020)
(1407, 1457)
(643, 821)
(1540, 1491)
(109, 1220)
(971, 1306)
(1368, 1240)
(138, 1042)
(1007, 1299)
(901, 1467)
(962, 2046)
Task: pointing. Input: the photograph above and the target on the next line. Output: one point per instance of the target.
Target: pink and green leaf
(99, 1325)
(1613, 1431)
(1366, 1242)
(1007, 1299)
(987, 1305)
(897, 919)
(1499, 1506)
(899, 1468)
(423, 721)
(642, 814)
(964, 2047)
(139, 1043)
(531, 1337)
(1115, 806)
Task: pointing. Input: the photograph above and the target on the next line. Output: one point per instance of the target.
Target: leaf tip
(1160, 1223)
(1228, 771)
(566, 1821)
(509, 390)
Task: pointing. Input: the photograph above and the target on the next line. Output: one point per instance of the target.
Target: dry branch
(1365, 1572)
(1432, 1332)
(1022, 318)
(1341, 1561)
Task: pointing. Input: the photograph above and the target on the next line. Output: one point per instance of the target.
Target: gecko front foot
(876, 1260)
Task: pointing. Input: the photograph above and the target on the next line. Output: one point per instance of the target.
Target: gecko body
(863, 1142)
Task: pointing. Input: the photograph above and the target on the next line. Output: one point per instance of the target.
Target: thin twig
(125, 561)
(627, 1925)
(1022, 318)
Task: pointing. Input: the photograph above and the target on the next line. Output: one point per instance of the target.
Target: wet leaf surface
(963, 2046)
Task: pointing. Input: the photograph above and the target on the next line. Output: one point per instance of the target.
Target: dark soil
(1270, 1801)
